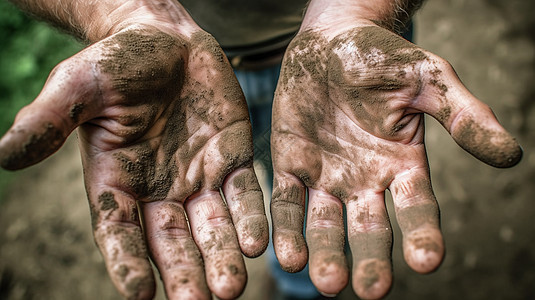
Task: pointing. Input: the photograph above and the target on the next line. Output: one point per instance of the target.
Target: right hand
(348, 124)
(163, 128)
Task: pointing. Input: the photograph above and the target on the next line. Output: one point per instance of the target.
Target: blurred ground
(47, 251)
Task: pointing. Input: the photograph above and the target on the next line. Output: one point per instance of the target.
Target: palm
(356, 119)
(166, 113)
(164, 129)
(348, 124)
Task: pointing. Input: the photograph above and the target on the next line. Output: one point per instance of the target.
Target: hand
(163, 127)
(348, 124)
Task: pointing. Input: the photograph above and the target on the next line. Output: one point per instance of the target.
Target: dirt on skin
(47, 251)
(377, 49)
(76, 111)
(248, 192)
(478, 141)
(48, 139)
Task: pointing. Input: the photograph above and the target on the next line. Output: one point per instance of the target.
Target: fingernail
(328, 295)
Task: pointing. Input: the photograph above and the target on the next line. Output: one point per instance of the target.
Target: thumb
(471, 123)
(42, 127)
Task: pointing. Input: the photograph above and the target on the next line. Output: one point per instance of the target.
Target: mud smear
(75, 112)
(288, 215)
(232, 92)
(303, 59)
(249, 193)
(304, 80)
(107, 201)
(235, 146)
(443, 115)
(374, 245)
(246, 181)
(144, 75)
(35, 147)
(426, 243)
(143, 175)
(340, 192)
(326, 244)
(131, 245)
(220, 103)
(371, 276)
(136, 57)
(497, 149)
(413, 217)
(138, 285)
(427, 213)
(386, 53)
(371, 38)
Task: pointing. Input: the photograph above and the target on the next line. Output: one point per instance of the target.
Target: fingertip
(494, 147)
(372, 279)
(291, 251)
(424, 250)
(229, 277)
(329, 273)
(21, 148)
(133, 281)
(508, 153)
(253, 235)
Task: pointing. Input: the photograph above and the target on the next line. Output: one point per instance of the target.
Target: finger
(288, 214)
(246, 204)
(325, 239)
(41, 128)
(120, 239)
(216, 238)
(471, 123)
(370, 240)
(174, 252)
(418, 218)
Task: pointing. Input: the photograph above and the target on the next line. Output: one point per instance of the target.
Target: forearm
(84, 19)
(93, 20)
(391, 14)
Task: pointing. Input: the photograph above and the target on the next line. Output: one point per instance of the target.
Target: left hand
(348, 123)
(164, 134)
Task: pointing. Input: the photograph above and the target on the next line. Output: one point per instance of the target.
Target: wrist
(328, 15)
(93, 20)
(166, 15)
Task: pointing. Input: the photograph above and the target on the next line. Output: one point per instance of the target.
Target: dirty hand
(163, 128)
(348, 123)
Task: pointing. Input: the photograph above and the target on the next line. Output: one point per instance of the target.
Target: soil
(49, 139)
(47, 250)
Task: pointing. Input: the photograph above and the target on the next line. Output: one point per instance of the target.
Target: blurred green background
(29, 51)
(46, 246)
